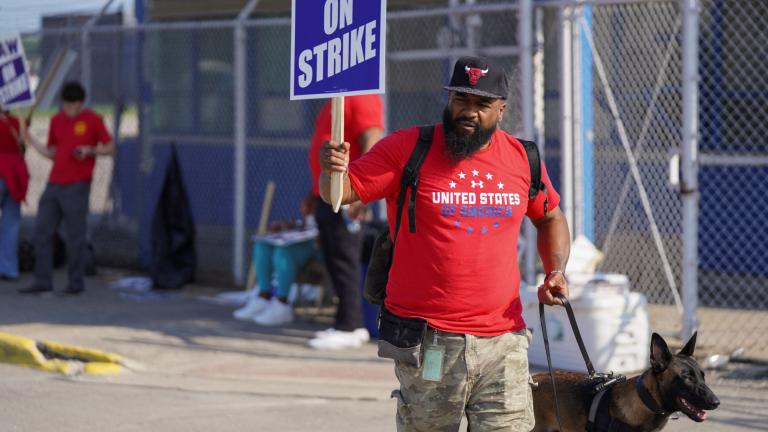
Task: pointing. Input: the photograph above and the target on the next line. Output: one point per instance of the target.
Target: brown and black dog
(642, 403)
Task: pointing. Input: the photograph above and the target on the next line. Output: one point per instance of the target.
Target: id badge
(432, 369)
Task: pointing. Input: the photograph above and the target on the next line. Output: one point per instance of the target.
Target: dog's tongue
(700, 414)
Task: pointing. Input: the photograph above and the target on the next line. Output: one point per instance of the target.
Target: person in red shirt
(14, 180)
(76, 136)
(341, 234)
(459, 272)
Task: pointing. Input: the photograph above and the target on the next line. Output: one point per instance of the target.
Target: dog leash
(574, 327)
(608, 379)
(577, 334)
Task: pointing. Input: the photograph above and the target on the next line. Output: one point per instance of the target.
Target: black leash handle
(574, 327)
(576, 333)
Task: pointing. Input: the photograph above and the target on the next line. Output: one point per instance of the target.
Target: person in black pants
(342, 247)
(341, 234)
(76, 137)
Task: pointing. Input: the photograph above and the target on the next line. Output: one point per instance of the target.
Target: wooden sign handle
(42, 88)
(337, 134)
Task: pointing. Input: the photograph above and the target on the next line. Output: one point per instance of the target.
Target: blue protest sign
(15, 90)
(337, 47)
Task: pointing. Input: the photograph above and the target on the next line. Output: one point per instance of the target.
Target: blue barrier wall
(210, 187)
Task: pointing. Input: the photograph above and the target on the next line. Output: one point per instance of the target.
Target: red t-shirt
(459, 271)
(66, 134)
(8, 142)
(13, 169)
(360, 113)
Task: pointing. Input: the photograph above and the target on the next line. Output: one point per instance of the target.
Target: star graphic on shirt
(452, 184)
(474, 183)
(496, 224)
(475, 173)
(489, 176)
(500, 185)
(470, 230)
(462, 175)
(484, 230)
(457, 223)
(480, 183)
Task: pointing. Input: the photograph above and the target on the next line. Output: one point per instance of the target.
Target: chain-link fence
(733, 125)
(611, 123)
(422, 47)
(627, 99)
(167, 84)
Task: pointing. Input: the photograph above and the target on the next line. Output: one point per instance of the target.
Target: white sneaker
(337, 339)
(277, 313)
(360, 332)
(363, 334)
(253, 307)
(321, 333)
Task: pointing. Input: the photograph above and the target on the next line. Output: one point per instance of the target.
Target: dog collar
(646, 397)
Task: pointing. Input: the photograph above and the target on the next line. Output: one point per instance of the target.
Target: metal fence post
(575, 154)
(566, 107)
(689, 187)
(238, 232)
(85, 61)
(525, 43)
(239, 158)
(85, 44)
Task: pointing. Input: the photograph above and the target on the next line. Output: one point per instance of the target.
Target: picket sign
(15, 85)
(337, 50)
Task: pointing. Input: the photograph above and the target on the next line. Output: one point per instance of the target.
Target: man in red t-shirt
(459, 271)
(14, 179)
(341, 239)
(76, 136)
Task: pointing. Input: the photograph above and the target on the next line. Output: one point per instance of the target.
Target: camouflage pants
(485, 378)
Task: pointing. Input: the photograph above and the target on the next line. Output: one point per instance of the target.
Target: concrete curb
(56, 357)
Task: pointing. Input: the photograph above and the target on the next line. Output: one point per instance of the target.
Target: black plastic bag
(173, 232)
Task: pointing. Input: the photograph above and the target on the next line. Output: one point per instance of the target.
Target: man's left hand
(554, 283)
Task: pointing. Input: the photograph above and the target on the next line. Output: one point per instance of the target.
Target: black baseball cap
(479, 76)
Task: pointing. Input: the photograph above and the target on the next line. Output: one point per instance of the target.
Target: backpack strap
(410, 178)
(534, 161)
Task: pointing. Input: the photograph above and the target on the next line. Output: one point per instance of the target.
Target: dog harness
(600, 419)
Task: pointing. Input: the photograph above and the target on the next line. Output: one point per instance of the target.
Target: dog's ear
(660, 355)
(689, 346)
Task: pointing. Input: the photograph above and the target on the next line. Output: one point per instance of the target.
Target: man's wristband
(552, 272)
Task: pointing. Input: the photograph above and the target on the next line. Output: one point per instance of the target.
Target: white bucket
(612, 320)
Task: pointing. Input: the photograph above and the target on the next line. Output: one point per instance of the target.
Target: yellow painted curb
(66, 359)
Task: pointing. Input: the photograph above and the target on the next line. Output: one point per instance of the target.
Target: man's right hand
(334, 157)
(554, 282)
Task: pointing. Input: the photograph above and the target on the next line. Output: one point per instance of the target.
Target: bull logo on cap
(475, 74)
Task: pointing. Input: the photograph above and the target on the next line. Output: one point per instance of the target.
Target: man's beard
(460, 146)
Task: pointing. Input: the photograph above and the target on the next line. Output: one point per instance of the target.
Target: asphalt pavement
(194, 368)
